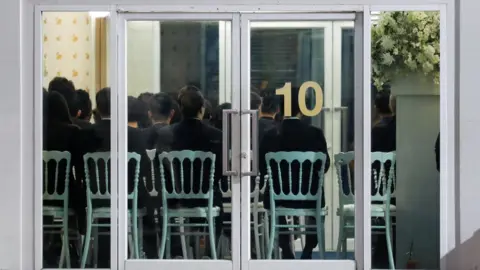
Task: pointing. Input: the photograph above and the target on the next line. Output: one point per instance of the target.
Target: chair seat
(56, 211)
(192, 212)
(298, 212)
(227, 207)
(105, 212)
(376, 210)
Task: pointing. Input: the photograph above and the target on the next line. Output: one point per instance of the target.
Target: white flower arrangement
(405, 42)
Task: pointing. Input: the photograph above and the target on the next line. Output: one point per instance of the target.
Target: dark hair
(161, 105)
(103, 102)
(84, 104)
(145, 97)
(66, 88)
(217, 116)
(136, 110)
(269, 101)
(185, 89)
(96, 115)
(191, 103)
(382, 102)
(255, 101)
(293, 103)
(56, 109)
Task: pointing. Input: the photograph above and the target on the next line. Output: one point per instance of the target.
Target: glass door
(179, 181)
(297, 106)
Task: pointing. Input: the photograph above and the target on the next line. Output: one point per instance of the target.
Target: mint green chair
(181, 159)
(383, 188)
(58, 212)
(311, 195)
(93, 214)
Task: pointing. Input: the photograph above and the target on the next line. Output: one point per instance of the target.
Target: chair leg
(211, 228)
(321, 241)
(272, 236)
(140, 238)
(86, 244)
(169, 242)
(340, 238)
(388, 232)
(182, 238)
(62, 253)
(161, 251)
(134, 219)
(256, 234)
(266, 228)
(95, 247)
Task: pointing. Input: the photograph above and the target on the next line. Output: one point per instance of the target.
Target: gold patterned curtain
(100, 53)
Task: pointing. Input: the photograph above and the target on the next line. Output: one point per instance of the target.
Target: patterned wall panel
(68, 48)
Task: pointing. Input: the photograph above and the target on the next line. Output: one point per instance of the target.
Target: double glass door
(251, 89)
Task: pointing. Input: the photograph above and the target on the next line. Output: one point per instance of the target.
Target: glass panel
(76, 140)
(405, 140)
(177, 92)
(293, 88)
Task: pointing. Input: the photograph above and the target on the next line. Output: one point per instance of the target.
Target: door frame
(33, 139)
(124, 262)
(301, 19)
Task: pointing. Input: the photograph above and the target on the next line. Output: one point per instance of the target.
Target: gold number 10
(286, 91)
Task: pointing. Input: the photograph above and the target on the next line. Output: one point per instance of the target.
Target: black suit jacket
(65, 137)
(293, 135)
(194, 135)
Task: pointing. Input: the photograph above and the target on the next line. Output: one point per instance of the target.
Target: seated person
(161, 111)
(191, 133)
(293, 134)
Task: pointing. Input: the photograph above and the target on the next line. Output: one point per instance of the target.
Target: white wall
(143, 57)
(16, 73)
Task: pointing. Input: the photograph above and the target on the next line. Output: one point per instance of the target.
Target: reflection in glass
(405, 128)
(175, 105)
(304, 179)
(76, 141)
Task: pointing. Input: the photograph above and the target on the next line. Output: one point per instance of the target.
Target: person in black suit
(267, 111)
(193, 134)
(66, 88)
(59, 134)
(384, 139)
(145, 121)
(84, 105)
(292, 134)
(161, 110)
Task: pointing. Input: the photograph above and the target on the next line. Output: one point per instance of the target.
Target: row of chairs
(263, 221)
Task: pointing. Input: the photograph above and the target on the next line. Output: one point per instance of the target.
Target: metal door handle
(254, 152)
(226, 153)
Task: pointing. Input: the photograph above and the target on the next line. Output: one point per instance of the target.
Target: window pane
(177, 90)
(76, 140)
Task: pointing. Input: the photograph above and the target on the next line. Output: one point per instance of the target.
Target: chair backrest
(61, 177)
(346, 189)
(151, 153)
(177, 164)
(281, 160)
(97, 168)
(383, 175)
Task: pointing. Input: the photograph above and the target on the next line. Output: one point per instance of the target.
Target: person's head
(161, 108)
(255, 101)
(103, 102)
(66, 88)
(382, 102)
(269, 105)
(84, 105)
(185, 89)
(217, 115)
(56, 109)
(192, 104)
(96, 115)
(293, 104)
(145, 97)
(136, 111)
